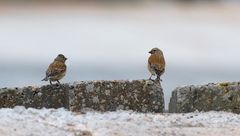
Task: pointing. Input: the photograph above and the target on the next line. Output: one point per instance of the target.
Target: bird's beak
(66, 58)
(150, 52)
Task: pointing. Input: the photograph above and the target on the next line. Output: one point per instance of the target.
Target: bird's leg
(158, 78)
(150, 78)
(50, 82)
(58, 82)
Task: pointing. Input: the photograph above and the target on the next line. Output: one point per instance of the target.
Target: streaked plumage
(56, 70)
(156, 63)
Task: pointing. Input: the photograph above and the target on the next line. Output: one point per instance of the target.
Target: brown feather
(157, 62)
(56, 70)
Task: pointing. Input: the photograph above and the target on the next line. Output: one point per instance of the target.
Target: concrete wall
(218, 97)
(138, 95)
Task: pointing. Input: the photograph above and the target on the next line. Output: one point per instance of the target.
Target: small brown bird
(56, 70)
(156, 63)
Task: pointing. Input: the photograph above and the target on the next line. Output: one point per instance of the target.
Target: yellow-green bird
(56, 70)
(156, 63)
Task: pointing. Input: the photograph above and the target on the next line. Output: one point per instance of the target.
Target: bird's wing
(157, 62)
(56, 68)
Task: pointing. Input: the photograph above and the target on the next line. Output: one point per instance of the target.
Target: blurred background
(110, 39)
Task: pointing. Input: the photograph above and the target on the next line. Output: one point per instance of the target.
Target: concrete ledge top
(136, 95)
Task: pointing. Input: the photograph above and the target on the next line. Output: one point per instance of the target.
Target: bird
(56, 70)
(156, 63)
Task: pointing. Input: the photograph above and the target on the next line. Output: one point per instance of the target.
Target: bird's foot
(150, 79)
(158, 80)
(58, 85)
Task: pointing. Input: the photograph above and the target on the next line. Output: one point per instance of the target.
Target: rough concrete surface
(20, 121)
(218, 97)
(136, 95)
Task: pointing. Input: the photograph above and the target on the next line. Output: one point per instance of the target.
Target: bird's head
(155, 51)
(61, 58)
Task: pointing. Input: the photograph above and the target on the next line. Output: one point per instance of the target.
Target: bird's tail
(45, 79)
